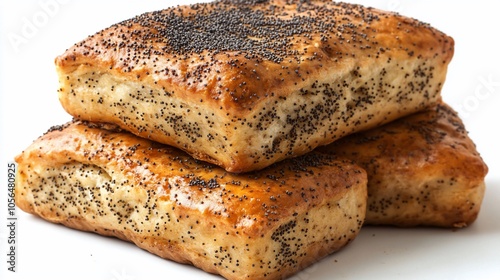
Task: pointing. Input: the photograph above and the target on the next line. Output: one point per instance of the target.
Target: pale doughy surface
(264, 225)
(330, 70)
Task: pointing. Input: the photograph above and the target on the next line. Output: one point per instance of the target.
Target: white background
(33, 33)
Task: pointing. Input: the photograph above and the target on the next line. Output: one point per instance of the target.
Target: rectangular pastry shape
(244, 84)
(263, 225)
(423, 170)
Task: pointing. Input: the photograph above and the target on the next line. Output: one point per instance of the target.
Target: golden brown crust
(243, 84)
(422, 170)
(262, 225)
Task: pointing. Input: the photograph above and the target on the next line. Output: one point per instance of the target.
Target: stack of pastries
(251, 138)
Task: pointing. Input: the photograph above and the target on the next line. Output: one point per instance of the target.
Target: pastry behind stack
(423, 170)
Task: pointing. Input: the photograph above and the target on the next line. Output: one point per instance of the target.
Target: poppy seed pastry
(244, 84)
(423, 170)
(263, 225)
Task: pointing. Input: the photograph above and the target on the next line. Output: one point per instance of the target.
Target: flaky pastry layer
(263, 225)
(244, 84)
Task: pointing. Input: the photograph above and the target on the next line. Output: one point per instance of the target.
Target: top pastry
(246, 83)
